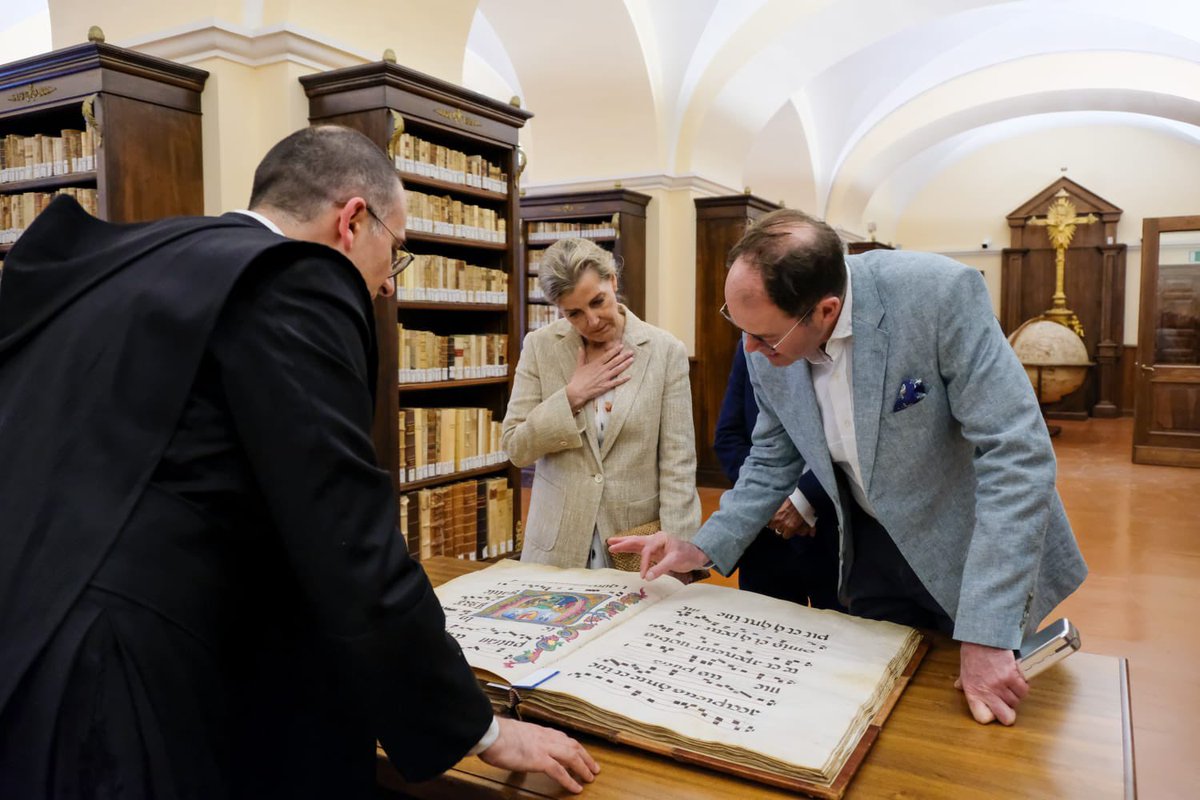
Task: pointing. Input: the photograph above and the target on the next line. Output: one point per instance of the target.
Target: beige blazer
(646, 469)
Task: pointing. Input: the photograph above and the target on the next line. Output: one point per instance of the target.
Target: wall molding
(637, 183)
(253, 47)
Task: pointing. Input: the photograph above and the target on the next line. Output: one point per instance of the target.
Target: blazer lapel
(635, 336)
(811, 435)
(794, 401)
(566, 355)
(870, 368)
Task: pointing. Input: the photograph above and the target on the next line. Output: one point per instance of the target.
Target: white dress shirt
(271, 226)
(833, 382)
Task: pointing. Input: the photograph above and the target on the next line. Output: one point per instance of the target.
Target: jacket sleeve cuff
(489, 738)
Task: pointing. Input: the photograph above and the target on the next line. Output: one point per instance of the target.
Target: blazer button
(563, 443)
(599, 478)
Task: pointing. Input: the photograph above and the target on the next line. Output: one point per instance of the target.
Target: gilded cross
(1060, 222)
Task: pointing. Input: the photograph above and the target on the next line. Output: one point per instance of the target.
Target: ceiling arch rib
(811, 38)
(1067, 82)
(778, 164)
(486, 49)
(892, 198)
(983, 37)
(854, 189)
(583, 73)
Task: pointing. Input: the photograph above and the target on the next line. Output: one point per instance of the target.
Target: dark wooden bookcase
(720, 222)
(145, 116)
(384, 100)
(620, 209)
(854, 248)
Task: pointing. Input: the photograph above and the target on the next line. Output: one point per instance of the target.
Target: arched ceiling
(836, 100)
(843, 107)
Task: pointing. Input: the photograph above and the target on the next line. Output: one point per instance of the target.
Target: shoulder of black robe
(289, 356)
(101, 330)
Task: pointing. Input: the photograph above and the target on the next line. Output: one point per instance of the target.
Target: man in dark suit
(795, 557)
(204, 594)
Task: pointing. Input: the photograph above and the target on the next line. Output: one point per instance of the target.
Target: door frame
(1149, 446)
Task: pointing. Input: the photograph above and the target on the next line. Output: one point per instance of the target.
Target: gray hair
(565, 261)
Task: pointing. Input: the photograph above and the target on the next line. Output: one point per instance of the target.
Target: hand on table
(992, 681)
(525, 747)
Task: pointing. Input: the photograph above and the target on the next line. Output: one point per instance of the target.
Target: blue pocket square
(912, 391)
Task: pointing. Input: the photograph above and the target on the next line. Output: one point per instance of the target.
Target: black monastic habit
(202, 591)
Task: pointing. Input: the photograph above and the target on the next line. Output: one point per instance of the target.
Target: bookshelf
(720, 223)
(118, 129)
(613, 218)
(449, 340)
(854, 248)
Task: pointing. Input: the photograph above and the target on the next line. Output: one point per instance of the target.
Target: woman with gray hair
(601, 402)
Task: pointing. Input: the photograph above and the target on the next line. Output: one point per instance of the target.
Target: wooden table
(1073, 738)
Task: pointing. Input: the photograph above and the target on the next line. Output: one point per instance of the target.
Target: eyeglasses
(401, 258)
(774, 348)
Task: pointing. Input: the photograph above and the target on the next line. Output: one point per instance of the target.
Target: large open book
(737, 681)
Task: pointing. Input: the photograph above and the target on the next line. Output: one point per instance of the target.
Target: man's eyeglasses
(401, 258)
(774, 348)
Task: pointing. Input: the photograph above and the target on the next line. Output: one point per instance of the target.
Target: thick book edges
(736, 681)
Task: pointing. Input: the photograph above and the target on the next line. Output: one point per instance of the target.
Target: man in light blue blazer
(888, 375)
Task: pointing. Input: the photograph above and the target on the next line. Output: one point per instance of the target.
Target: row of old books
(470, 519)
(27, 158)
(426, 357)
(541, 315)
(446, 216)
(443, 441)
(438, 279)
(553, 231)
(17, 211)
(447, 164)
(533, 289)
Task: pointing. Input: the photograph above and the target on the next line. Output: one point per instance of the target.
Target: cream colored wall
(426, 36)
(246, 110)
(135, 19)
(1145, 173)
(249, 105)
(671, 263)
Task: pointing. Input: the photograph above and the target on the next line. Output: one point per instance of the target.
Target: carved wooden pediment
(1085, 202)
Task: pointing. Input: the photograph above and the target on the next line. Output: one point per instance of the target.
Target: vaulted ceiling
(847, 108)
(829, 104)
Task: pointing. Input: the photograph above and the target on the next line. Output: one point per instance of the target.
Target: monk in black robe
(202, 591)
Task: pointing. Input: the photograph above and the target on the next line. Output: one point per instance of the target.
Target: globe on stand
(1055, 359)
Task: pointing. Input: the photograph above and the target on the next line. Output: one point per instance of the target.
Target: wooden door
(1167, 410)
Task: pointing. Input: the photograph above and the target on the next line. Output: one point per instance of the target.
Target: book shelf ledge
(413, 179)
(437, 238)
(453, 384)
(548, 242)
(437, 480)
(433, 305)
(86, 178)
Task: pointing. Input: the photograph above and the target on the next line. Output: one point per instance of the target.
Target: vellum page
(514, 619)
(770, 684)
